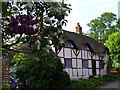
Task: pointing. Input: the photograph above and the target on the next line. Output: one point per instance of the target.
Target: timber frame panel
(81, 63)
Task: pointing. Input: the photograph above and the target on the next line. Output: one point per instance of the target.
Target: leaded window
(85, 64)
(68, 63)
(101, 64)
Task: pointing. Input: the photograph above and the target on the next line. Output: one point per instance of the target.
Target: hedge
(94, 82)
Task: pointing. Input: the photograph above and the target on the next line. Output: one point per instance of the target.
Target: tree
(37, 24)
(102, 27)
(33, 22)
(113, 44)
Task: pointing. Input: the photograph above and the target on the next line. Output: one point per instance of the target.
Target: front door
(94, 67)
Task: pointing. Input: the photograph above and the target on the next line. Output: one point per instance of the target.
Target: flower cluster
(23, 24)
(57, 7)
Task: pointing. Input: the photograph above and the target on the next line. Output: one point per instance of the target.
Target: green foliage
(4, 86)
(19, 58)
(94, 82)
(113, 43)
(103, 26)
(44, 71)
(51, 19)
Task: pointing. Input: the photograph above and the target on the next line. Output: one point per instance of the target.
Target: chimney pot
(78, 29)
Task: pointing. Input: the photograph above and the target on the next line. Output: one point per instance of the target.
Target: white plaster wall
(97, 64)
(60, 54)
(89, 53)
(97, 57)
(89, 63)
(79, 55)
(79, 62)
(74, 72)
(74, 63)
(62, 60)
(69, 71)
(102, 72)
(97, 71)
(79, 72)
(85, 55)
(85, 72)
(73, 54)
(90, 71)
(67, 52)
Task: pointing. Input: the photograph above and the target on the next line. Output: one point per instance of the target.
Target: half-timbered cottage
(83, 56)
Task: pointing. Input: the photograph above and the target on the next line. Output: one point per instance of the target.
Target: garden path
(111, 86)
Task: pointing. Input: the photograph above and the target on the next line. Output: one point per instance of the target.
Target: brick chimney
(78, 29)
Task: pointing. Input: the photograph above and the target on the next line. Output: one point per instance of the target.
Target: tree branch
(5, 46)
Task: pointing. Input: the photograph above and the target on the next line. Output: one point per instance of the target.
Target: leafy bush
(4, 87)
(45, 71)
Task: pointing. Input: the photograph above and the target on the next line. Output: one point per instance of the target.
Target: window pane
(101, 64)
(68, 63)
(85, 63)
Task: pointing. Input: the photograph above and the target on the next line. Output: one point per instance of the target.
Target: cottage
(83, 56)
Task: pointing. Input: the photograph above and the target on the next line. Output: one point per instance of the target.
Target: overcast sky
(85, 10)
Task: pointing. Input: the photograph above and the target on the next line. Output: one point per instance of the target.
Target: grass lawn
(95, 82)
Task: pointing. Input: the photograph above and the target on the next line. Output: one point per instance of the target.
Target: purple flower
(34, 21)
(14, 22)
(23, 24)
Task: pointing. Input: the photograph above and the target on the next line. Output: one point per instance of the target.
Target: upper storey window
(68, 44)
(85, 48)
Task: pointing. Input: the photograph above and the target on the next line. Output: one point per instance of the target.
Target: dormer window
(68, 44)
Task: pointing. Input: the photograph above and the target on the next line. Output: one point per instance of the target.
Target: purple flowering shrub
(23, 24)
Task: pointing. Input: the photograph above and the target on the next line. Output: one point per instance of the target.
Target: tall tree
(113, 43)
(103, 26)
(33, 22)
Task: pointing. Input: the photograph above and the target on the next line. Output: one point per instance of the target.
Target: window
(68, 63)
(85, 64)
(101, 64)
(68, 44)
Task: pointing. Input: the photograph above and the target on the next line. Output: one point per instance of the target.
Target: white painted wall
(77, 73)
(89, 63)
(62, 60)
(89, 53)
(74, 72)
(85, 55)
(79, 61)
(67, 52)
(97, 64)
(97, 72)
(73, 54)
(74, 65)
(90, 71)
(69, 71)
(79, 55)
(60, 54)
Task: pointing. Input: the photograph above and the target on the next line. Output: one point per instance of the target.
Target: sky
(83, 11)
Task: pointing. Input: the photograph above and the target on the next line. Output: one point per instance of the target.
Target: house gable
(82, 56)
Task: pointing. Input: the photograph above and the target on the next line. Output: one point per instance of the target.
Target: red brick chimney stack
(78, 29)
